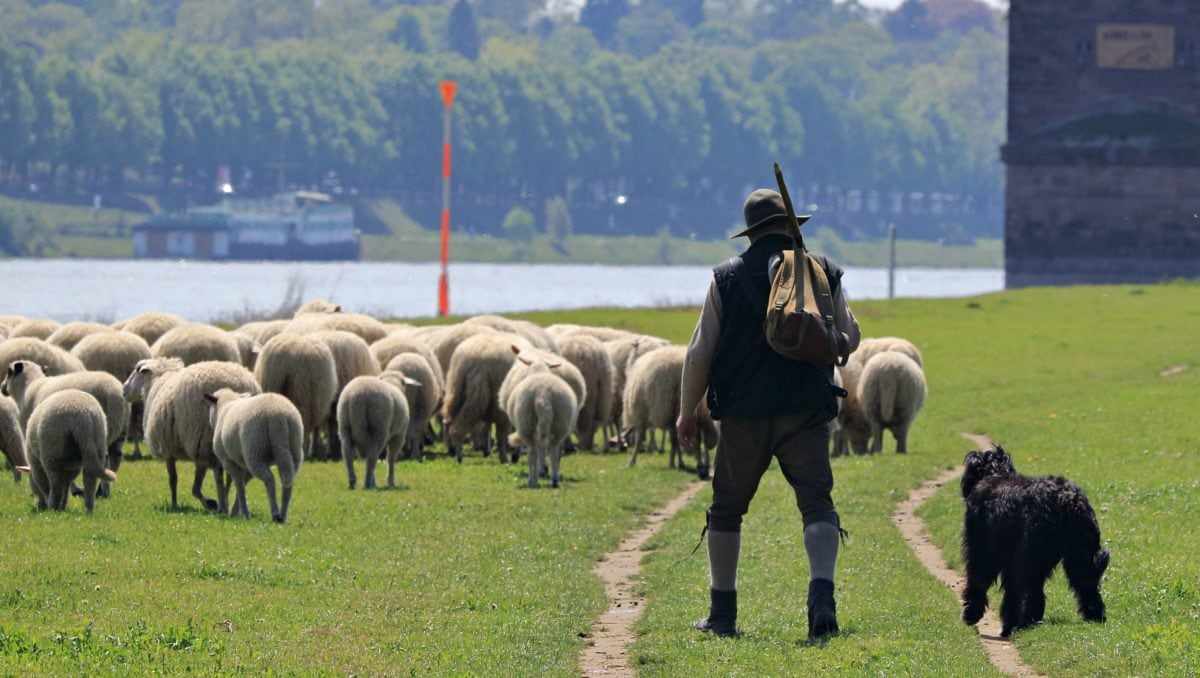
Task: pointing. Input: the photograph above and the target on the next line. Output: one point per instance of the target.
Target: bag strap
(823, 299)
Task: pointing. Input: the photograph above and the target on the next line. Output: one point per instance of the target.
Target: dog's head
(985, 464)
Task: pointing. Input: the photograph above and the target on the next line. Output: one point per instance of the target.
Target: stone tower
(1103, 151)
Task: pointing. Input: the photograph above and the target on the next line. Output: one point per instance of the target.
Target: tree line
(635, 126)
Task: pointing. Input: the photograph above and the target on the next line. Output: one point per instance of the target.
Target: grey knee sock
(723, 548)
(821, 543)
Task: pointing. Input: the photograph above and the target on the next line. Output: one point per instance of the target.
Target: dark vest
(748, 378)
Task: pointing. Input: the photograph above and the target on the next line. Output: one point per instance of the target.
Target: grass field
(465, 573)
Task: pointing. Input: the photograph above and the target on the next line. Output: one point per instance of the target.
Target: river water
(107, 290)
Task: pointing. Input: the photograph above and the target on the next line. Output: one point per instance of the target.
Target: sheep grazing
(176, 421)
(318, 306)
(263, 331)
(448, 339)
(117, 352)
(477, 370)
(352, 358)
(52, 358)
(543, 410)
(12, 441)
(708, 435)
(413, 374)
(67, 336)
(868, 348)
(303, 370)
(601, 333)
(892, 390)
(534, 334)
(247, 349)
(196, 343)
(589, 355)
(851, 430)
(67, 435)
(150, 326)
(29, 387)
(527, 363)
(8, 322)
(652, 396)
(370, 329)
(623, 353)
(36, 328)
(393, 345)
(252, 433)
(372, 416)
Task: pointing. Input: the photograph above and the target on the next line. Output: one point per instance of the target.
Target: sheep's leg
(900, 433)
(41, 486)
(173, 482)
(348, 455)
(287, 501)
(60, 484)
(533, 467)
(876, 440)
(222, 490)
(240, 508)
(369, 478)
(502, 447)
(555, 458)
(263, 473)
(676, 451)
(635, 447)
(89, 492)
(198, 486)
(335, 441)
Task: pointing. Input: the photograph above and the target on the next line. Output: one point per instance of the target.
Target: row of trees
(695, 123)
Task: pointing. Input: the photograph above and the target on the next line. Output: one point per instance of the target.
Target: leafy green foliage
(463, 30)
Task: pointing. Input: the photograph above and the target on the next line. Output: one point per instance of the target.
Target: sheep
(3, 333)
(370, 329)
(67, 435)
(318, 306)
(248, 348)
(850, 429)
(29, 386)
(589, 355)
(413, 374)
(196, 343)
(869, 347)
(264, 330)
(303, 370)
(393, 345)
(8, 322)
(601, 333)
(708, 435)
(52, 358)
(544, 410)
(373, 419)
(477, 370)
(251, 433)
(150, 326)
(536, 336)
(12, 440)
(447, 340)
(892, 390)
(36, 328)
(176, 421)
(352, 358)
(525, 365)
(67, 336)
(117, 352)
(623, 353)
(652, 394)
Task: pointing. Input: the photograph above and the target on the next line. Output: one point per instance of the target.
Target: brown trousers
(744, 454)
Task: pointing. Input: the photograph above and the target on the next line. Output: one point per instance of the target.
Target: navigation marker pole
(448, 89)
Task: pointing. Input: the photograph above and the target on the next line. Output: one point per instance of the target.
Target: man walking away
(769, 407)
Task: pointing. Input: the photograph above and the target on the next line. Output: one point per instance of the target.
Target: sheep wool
(477, 370)
(373, 419)
(247, 349)
(370, 329)
(12, 440)
(448, 339)
(8, 322)
(252, 433)
(262, 331)
(391, 346)
(892, 390)
(67, 336)
(413, 374)
(117, 352)
(589, 355)
(652, 395)
(196, 343)
(53, 358)
(623, 353)
(529, 362)
(851, 430)
(67, 435)
(544, 410)
(318, 306)
(303, 370)
(150, 326)
(36, 328)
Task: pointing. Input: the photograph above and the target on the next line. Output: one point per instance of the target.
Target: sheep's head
(144, 374)
(20, 374)
(985, 464)
(218, 400)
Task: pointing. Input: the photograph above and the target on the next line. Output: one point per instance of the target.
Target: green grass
(43, 225)
(463, 572)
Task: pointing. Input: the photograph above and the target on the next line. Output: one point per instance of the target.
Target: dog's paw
(972, 613)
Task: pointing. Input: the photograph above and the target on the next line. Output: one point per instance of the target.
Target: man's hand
(686, 426)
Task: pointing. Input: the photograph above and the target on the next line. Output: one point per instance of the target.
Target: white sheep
(370, 329)
(248, 348)
(537, 335)
(352, 358)
(601, 333)
(868, 348)
(589, 355)
(150, 326)
(892, 390)
(411, 373)
(66, 435)
(176, 421)
(477, 370)
(8, 322)
(117, 352)
(372, 416)
(52, 358)
(850, 430)
(652, 394)
(196, 343)
(34, 328)
(12, 440)
(318, 306)
(263, 331)
(446, 340)
(252, 433)
(67, 336)
(393, 345)
(543, 410)
(623, 353)
(303, 370)
(526, 364)
(29, 387)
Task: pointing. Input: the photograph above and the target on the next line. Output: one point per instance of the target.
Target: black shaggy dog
(1019, 528)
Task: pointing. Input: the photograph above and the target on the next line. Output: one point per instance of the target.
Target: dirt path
(607, 650)
(1002, 653)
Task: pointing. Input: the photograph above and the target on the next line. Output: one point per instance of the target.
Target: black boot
(702, 471)
(822, 610)
(722, 615)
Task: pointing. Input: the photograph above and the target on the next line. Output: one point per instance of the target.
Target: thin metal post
(448, 89)
(891, 261)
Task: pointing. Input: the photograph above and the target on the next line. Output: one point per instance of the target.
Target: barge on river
(295, 226)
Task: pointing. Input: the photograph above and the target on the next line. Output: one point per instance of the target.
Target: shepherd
(774, 323)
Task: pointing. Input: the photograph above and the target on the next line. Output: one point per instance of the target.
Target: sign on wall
(1146, 47)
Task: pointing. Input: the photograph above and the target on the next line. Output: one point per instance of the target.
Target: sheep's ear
(525, 361)
(47, 370)
(516, 349)
(411, 382)
(16, 368)
(337, 308)
(256, 348)
(211, 397)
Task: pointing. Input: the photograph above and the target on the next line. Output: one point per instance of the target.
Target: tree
(519, 228)
(558, 223)
(602, 16)
(463, 30)
(409, 33)
(689, 12)
(910, 21)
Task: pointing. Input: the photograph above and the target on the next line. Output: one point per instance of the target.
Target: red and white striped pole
(448, 89)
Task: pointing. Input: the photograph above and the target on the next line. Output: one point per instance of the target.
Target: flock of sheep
(323, 384)
(885, 389)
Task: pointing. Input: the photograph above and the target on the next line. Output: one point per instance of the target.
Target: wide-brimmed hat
(765, 207)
